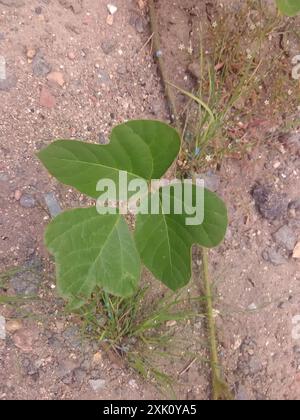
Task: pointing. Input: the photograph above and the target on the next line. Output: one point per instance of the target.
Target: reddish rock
(24, 340)
(56, 77)
(47, 100)
(18, 195)
(71, 55)
(110, 20)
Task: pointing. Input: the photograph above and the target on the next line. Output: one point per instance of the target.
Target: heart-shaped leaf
(143, 149)
(164, 241)
(93, 250)
(289, 7)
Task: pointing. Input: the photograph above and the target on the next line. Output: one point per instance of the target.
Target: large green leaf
(93, 250)
(144, 149)
(164, 241)
(289, 7)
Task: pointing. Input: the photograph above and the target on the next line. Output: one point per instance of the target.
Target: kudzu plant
(95, 250)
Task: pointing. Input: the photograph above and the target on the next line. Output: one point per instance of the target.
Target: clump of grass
(138, 331)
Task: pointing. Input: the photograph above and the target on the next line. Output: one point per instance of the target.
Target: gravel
(30, 369)
(72, 337)
(52, 204)
(27, 201)
(108, 46)
(273, 256)
(140, 25)
(102, 138)
(271, 205)
(27, 282)
(40, 67)
(286, 238)
(97, 384)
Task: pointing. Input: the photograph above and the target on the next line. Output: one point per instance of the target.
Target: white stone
(112, 8)
(2, 328)
(2, 68)
(296, 253)
(97, 384)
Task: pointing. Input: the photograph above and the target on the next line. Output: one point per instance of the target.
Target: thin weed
(244, 73)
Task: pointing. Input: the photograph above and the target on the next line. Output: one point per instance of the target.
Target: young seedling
(95, 250)
(98, 251)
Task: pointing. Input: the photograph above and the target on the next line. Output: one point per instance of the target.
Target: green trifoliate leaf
(93, 250)
(143, 149)
(164, 240)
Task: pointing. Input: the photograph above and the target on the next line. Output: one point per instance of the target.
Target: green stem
(220, 390)
(216, 374)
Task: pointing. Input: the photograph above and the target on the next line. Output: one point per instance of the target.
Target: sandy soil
(72, 74)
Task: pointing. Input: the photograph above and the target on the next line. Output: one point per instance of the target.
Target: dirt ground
(72, 73)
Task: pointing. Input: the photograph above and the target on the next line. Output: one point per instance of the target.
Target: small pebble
(31, 53)
(2, 68)
(286, 237)
(139, 25)
(56, 77)
(97, 384)
(102, 138)
(27, 201)
(110, 20)
(18, 195)
(112, 8)
(273, 256)
(52, 204)
(13, 325)
(2, 328)
(40, 67)
(97, 358)
(133, 384)
(108, 46)
(71, 55)
(296, 253)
